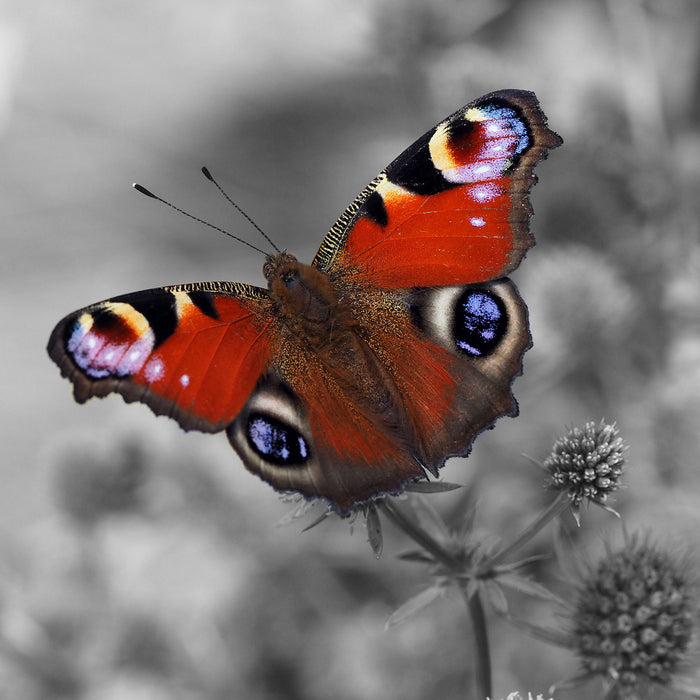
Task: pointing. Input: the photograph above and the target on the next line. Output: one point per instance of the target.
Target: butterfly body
(305, 300)
(349, 377)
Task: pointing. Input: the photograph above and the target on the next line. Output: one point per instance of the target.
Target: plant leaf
(416, 555)
(428, 517)
(521, 584)
(432, 486)
(301, 508)
(413, 606)
(496, 597)
(374, 530)
(326, 514)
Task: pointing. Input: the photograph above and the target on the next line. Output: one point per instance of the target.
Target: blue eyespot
(480, 322)
(275, 441)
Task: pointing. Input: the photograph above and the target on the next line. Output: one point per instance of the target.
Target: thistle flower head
(587, 462)
(634, 618)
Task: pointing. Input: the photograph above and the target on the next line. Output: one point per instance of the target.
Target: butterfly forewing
(193, 352)
(453, 207)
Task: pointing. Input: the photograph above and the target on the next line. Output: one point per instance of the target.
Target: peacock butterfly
(347, 378)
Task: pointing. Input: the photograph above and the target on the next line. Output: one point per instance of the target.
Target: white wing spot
(486, 192)
(154, 370)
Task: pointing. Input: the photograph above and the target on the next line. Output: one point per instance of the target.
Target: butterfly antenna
(148, 193)
(210, 177)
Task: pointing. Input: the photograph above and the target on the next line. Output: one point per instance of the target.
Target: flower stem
(482, 667)
(418, 534)
(557, 506)
(482, 663)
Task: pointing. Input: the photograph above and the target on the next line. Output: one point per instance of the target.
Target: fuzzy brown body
(322, 319)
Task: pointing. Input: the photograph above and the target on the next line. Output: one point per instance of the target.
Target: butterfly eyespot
(480, 322)
(275, 441)
(470, 320)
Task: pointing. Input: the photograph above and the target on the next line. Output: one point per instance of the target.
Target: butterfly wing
(193, 352)
(453, 207)
(437, 333)
(392, 397)
(423, 252)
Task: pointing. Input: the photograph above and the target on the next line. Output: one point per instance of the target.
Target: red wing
(484, 331)
(411, 386)
(193, 352)
(452, 208)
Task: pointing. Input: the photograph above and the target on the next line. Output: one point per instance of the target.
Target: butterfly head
(301, 292)
(278, 264)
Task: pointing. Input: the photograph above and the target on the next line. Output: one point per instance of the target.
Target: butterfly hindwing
(412, 384)
(453, 207)
(193, 352)
(331, 420)
(484, 329)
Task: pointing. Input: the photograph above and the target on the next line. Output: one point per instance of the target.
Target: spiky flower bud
(634, 618)
(587, 462)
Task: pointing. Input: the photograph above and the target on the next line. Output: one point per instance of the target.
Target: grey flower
(634, 618)
(587, 462)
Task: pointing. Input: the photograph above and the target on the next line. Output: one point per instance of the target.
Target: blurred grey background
(141, 562)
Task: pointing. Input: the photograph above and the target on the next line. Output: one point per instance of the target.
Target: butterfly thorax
(304, 298)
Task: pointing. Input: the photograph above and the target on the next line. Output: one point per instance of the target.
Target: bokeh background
(137, 561)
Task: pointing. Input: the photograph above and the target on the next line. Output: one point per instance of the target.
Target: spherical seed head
(634, 617)
(587, 462)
